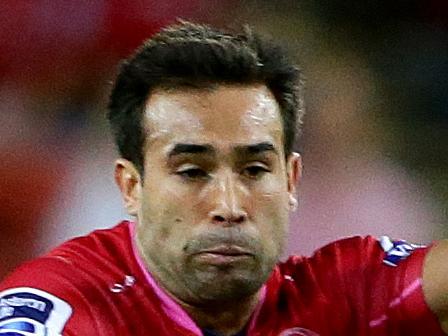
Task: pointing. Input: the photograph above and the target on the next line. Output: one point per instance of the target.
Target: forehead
(222, 116)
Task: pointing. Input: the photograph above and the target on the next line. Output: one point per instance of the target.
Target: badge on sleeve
(396, 250)
(26, 311)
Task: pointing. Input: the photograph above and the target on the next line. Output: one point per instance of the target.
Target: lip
(223, 255)
(226, 251)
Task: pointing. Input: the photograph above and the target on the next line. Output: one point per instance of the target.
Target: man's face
(213, 206)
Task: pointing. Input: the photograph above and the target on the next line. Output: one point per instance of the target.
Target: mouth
(223, 255)
(227, 250)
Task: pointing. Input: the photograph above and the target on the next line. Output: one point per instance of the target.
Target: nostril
(240, 219)
(218, 218)
(231, 219)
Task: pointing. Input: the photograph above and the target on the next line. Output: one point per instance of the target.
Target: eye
(255, 171)
(192, 173)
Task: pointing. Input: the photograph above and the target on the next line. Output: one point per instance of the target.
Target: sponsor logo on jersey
(396, 250)
(16, 301)
(298, 332)
(22, 327)
(28, 311)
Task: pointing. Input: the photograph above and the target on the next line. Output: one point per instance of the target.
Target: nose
(227, 207)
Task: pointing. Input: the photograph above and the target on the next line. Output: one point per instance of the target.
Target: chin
(230, 289)
(230, 284)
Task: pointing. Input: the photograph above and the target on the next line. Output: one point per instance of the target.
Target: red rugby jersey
(98, 285)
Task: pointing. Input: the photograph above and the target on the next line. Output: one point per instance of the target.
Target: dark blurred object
(406, 45)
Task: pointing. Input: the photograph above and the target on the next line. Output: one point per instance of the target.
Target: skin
(213, 204)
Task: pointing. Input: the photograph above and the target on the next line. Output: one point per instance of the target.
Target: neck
(225, 318)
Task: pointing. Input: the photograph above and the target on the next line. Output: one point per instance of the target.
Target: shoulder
(354, 253)
(48, 291)
(86, 259)
(28, 309)
(39, 295)
(77, 255)
(357, 263)
(379, 279)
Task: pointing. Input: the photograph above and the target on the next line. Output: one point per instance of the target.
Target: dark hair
(189, 54)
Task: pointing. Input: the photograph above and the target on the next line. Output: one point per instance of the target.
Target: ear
(294, 171)
(129, 181)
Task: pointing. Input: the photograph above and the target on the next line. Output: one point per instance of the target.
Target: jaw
(226, 283)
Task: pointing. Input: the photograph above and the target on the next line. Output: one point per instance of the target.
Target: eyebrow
(185, 148)
(256, 148)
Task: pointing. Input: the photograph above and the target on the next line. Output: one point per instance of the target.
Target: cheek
(165, 215)
(274, 211)
(273, 194)
(272, 215)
